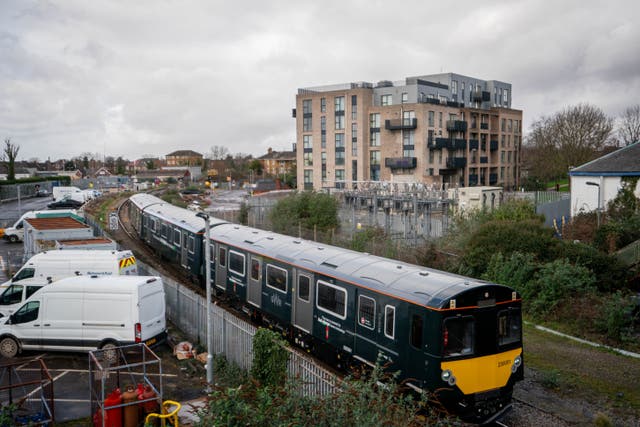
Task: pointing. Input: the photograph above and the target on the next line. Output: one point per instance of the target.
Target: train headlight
(448, 377)
(516, 364)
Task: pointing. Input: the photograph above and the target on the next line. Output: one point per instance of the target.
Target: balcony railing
(456, 162)
(456, 126)
(401, 162)
(400, 124)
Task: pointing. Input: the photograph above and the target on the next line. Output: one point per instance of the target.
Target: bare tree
(8, 156)
(569, 138)
(629, 130)
(218, 152)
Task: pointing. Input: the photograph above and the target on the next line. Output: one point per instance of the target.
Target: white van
(15, 233)
(74, 193)
(50, 266)
(87, 313)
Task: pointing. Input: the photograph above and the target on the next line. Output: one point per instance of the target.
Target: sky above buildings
(131, 78)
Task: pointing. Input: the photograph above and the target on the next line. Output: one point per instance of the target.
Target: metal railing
(233, 336)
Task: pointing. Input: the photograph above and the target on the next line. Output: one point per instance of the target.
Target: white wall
(584, 198)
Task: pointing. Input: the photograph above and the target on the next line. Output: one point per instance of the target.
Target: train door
(221, 267)
(417, 342)
(184, 249)
(303, 299)
(366, 335)
(254, 291)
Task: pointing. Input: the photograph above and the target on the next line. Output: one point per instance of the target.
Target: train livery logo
(127, 262)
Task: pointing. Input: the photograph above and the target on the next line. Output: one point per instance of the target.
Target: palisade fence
(233, 337)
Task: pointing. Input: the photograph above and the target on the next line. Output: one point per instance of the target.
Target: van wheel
(9, 347)
(109, 352)
(13, 238)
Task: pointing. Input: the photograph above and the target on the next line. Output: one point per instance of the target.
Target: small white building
(475, 198)
(595, 184)
(41, 234)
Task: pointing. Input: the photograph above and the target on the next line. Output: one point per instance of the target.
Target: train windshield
(509, 327)
(458, 333)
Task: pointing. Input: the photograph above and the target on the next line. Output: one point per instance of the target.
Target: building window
(374, 157)
(323, 159)
(307, 141)
(505, 96)
(306, 124)
(323, 123)
(405, 97)
(374, 139)
(503, 124)
(308, 177)
(440, 119)
(386, 100)
(407, 117)
(431, 118)
(339, 177)
(354, 107)
(454, 89)
(339, 122)
(462, 91)
(339, 140)
(306, 106)
(339, 103)
(408, 138)
(339, 158)
(323, 105)
(308, 159)
(374, 120)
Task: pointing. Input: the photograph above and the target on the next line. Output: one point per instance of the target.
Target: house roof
(184, 153)
(622, 162)
(279, 155)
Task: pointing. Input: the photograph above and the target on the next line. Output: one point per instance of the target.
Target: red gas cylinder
(112, 417)
(130, 396)
(152, 405)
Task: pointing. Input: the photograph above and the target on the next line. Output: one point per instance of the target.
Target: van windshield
(25, 273)
(11, 295)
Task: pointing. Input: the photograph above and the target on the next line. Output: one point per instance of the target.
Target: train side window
(192, 244)
(176, 237)
(366, 312)
(152, 224)
(277, 278)
(416, 331)
(509, 326)
(255, 269)
(236, 263)
(457, 336)
(389, 321)
(222, 257)
(164, 231)
(303, 288)
(332, 299)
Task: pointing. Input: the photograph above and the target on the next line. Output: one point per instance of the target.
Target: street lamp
(207, 278)
(595, 184)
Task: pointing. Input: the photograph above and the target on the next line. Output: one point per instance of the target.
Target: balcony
(474, 144)
(400, 124)
(456, 126)
(481, 96)
(484, 160)
(456, 162)
(439, 143)
(484, 126)
(401, 162)
(493, 145)
(493, 178)
(458, 144)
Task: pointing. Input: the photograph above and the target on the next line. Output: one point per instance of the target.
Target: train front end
(481, 352)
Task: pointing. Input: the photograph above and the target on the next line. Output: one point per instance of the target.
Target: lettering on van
(99, 273)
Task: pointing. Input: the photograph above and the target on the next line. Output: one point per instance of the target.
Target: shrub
(310, 210)
(617, 317)
(269, 358)
(515, 271)
(554, 283)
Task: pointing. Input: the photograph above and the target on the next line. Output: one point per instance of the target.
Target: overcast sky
(129, 78)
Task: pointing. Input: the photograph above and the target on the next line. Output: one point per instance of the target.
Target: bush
(307, 209)
(618, 318)
(555, 283)
(269, 358)
(506, 237)
(515, 271)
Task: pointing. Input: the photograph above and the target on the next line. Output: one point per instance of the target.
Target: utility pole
(207, 275)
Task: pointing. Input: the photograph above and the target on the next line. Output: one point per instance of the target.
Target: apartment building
(441, 130)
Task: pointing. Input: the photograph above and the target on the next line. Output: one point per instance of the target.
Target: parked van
(15, 233)
(87, 313)
(50, 266)
(74, 193)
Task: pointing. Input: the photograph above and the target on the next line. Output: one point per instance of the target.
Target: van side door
(26, 324)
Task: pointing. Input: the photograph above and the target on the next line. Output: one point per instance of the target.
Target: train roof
(172, 214)
(424, 286)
